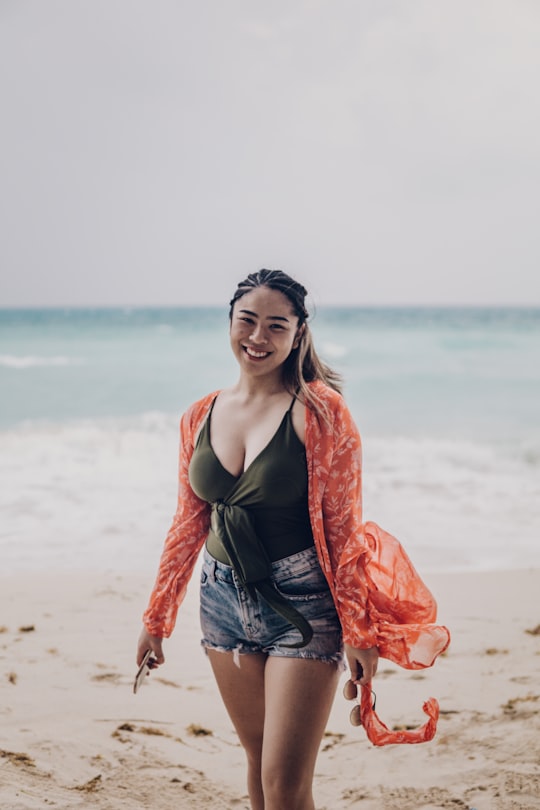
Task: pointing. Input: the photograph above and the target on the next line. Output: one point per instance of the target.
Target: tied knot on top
(233, 527)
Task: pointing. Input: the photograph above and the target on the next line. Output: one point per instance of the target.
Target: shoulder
(323, 392)
(194, 415)
(333, 419)
(331, 401)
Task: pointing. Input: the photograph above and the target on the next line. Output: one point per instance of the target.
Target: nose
(258, 334)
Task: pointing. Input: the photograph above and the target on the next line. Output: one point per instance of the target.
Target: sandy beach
(72, 734)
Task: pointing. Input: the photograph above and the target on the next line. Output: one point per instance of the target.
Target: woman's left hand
(362, 663)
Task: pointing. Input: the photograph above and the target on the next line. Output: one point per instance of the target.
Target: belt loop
(213, 570)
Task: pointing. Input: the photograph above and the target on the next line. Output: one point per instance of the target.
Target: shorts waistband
(295, 563)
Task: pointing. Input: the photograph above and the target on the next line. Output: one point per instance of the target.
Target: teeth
(253, 353)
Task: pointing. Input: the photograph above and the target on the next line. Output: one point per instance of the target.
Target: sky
(383, 152)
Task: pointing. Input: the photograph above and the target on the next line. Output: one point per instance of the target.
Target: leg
(242, 690)
(299, 694)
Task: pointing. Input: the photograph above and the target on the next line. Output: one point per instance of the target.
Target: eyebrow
(270, 317)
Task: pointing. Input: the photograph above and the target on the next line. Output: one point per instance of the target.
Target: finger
(357, 672)
(368, 674)
(158, 653)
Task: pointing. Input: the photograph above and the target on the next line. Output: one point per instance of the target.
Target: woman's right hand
(148, 642)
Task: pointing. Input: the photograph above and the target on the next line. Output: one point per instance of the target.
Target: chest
(239, 435)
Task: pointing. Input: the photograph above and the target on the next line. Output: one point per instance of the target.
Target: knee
(286, 787)
(253, 756)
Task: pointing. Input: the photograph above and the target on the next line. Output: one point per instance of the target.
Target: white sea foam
(101, 494)
(458, 505)
(447, 402)
(33, 361)
(87, 494)
(333, 351)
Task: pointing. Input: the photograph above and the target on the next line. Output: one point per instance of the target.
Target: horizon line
(140, 307)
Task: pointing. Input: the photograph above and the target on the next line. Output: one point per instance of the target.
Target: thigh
(240, 680)
(298, 694)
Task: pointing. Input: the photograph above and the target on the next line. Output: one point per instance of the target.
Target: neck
(259, 387)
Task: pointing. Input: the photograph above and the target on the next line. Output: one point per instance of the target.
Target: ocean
(447, 402)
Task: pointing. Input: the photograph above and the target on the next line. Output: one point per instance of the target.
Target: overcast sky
(382, 151)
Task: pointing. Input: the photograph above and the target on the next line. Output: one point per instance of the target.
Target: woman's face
(264, 330)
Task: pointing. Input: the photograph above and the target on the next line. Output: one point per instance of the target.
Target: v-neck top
(272, 492)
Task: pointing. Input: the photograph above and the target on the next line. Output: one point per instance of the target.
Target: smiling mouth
(256, 355)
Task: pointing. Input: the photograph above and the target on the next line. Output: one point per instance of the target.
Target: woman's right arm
(182, 546)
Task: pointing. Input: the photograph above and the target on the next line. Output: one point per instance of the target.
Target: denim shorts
(234, 621)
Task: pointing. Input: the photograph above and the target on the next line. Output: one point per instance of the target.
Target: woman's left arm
(346, 544)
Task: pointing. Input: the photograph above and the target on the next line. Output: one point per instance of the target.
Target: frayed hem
(236, 651)
(337, 660)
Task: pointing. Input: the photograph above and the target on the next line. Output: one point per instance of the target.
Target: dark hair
(303, 365)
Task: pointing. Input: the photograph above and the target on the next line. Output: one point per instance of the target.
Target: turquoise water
(447, 401)
(454, 372)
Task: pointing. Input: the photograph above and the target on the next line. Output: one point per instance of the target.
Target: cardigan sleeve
(380, 598)
(342, 525)
(182, 544)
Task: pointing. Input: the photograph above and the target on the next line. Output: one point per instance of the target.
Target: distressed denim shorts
(234, 621)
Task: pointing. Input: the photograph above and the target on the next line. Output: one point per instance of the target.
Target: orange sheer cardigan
(380, 599)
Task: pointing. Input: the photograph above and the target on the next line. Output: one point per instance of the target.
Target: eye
(276, 327)
(246, 319)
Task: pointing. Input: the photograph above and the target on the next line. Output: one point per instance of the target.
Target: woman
(274, 460)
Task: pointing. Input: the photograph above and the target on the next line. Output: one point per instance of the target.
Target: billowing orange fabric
(380, 599)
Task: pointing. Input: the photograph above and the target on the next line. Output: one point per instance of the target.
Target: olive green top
(271, 494)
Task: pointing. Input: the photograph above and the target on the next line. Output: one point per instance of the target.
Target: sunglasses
(350, 692)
